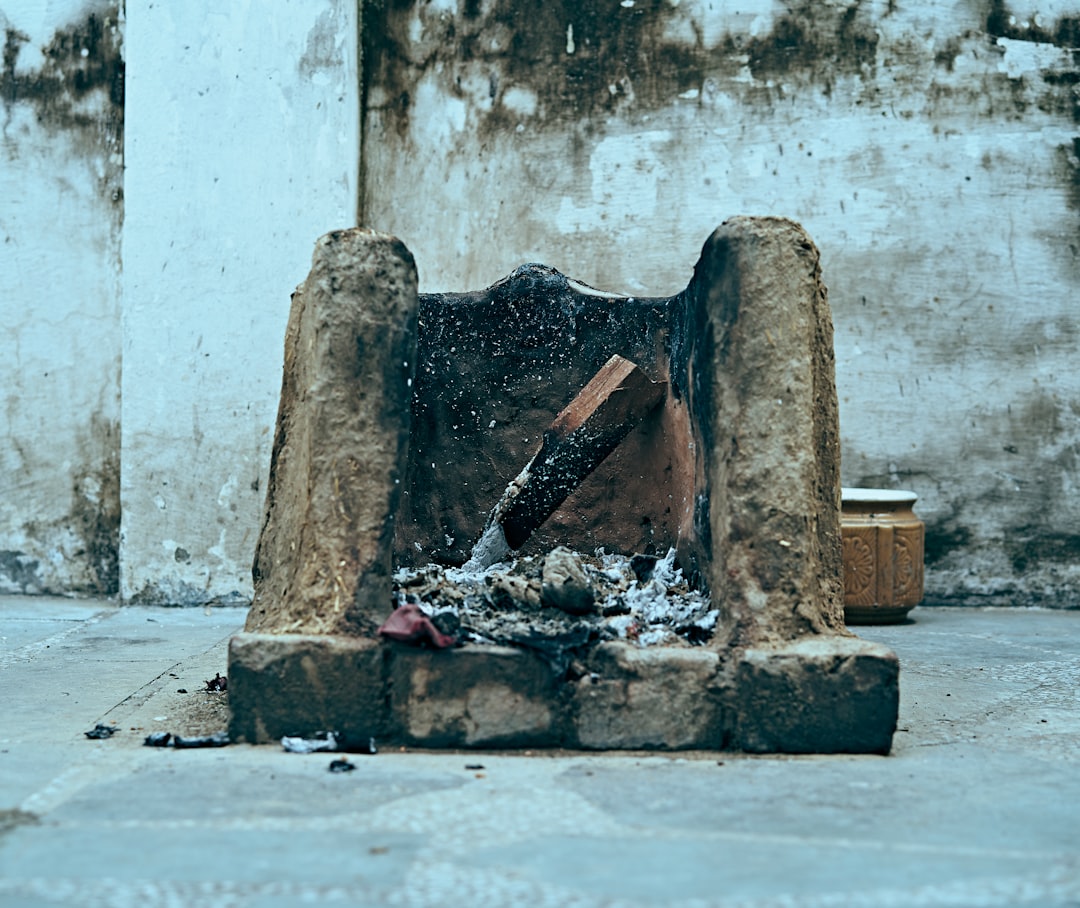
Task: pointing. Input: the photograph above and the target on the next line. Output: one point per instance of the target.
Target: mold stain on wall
(570, 61)
(817, 41)
(502, 68)
(80, 63)
(576, 61)
(1002, 22)
(88, 535)
(564, 63)
(68, 104)
(95, 510)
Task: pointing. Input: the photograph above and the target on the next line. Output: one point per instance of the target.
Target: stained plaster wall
(244, 150)
(61, 205)
(931, 149)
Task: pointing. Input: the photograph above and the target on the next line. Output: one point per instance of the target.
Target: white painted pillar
(242, 148)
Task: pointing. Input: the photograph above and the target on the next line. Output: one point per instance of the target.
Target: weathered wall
(243, 152)
(932, 150)
(61, 204)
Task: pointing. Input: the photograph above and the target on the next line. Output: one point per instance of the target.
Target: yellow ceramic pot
(883, 555)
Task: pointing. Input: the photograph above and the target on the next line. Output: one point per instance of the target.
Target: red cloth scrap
(408, 624)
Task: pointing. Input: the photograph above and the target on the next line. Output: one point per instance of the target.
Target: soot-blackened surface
(1069, 159)
(87, 537)
(495, 368)
(583, 60)
(1001, 22)
(83, 59)
(579, 58)
(813, 39)
(95, 512)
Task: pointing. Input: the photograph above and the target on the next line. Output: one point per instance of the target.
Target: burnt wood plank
(587, 430)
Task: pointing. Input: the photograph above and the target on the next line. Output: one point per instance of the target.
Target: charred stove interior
(494, 369)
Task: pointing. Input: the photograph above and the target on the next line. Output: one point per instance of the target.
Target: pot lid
(868, 496)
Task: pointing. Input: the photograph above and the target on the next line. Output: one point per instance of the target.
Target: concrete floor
(979, 803)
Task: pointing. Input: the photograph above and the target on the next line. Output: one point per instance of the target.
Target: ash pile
(558, 604)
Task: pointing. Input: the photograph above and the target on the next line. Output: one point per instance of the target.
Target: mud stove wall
(402, 419)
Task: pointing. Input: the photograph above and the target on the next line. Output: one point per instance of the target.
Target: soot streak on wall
(79, 62)
(931, 150)
(63, 122)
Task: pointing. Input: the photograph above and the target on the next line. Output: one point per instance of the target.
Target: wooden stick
(589, 428)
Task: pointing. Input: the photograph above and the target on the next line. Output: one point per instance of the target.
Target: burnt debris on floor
(100, 732)
(217, 684)
(186, 742)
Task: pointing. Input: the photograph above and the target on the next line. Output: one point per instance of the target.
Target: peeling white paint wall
(244, 150)
(61, 202)
(931, 150)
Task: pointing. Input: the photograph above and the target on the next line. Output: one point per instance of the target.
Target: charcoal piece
(158, 739)
(447, 622)
(341, 766)
(218, 683)
(695, 633)
(360, 744)
(100, 732)
(643, 567)
(616, 607)
(217, 739)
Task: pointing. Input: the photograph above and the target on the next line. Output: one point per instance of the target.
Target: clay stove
(404, 415)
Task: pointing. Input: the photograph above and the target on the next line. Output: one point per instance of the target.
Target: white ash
(643, 599)
(489, 551)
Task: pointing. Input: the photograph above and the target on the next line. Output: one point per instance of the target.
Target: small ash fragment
(320, 743)
(565, 584)
(341, 766)
(329, 742)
